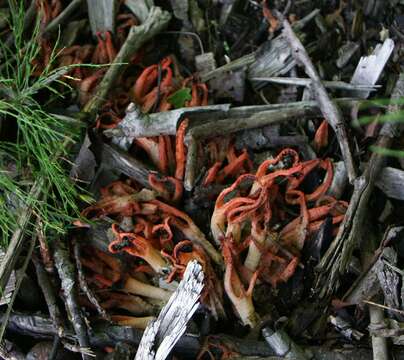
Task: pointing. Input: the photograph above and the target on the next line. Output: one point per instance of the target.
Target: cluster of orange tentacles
(162, 238)
(152, 91)
(227, 163)
(252, 221)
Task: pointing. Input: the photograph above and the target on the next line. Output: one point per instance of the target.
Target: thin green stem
(387, 152)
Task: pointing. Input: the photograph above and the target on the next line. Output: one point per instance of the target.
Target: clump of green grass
(40, 149)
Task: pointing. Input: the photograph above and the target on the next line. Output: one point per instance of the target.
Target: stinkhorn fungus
(126, 205)
(137, 287)
(180, 150)
(136, 322)
(137, 245)
(240, 298)
(321, 136)
(185, 224)
(248, 210)
(134, 304)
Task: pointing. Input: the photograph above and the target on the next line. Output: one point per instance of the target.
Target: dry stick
(261, 119)
(138, 36)
(379, 344)
(17, 288)
(103, 334)
(329, 109)
(234, 65)
(335, 261)
(40, 327)
(66, 272)
(339, 85)
(63, 16)
(136, 124)
(49, 295)
(248, 60)
(191, 163)
(83, 283)
(401, 312)
(102, 15)
(120, 161)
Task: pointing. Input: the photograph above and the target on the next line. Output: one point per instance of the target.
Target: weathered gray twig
(389, 280)
(345, 328)
(135, 124)
(83, 283)
(138, 35)
(102, 15)
(234, 65)
(250, 117)
(329, 109)
(191, 163)
(366, 286)
(101, 335)
(391, 182)
(6, 293)
(66, 272)
(272, 58)
(338, 255)
(230, 125)
(140, 8)
(338, 85)
(63, 16)
(128, 165)
(339, 181)
(379, 344)
(50, 297)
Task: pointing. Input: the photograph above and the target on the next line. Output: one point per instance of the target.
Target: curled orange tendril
(321, 137)
(139, 246)
(162, 186)
(237, 165)
(180, 150)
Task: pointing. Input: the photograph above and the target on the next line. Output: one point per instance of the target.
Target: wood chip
(163, 333)
(371, 67)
